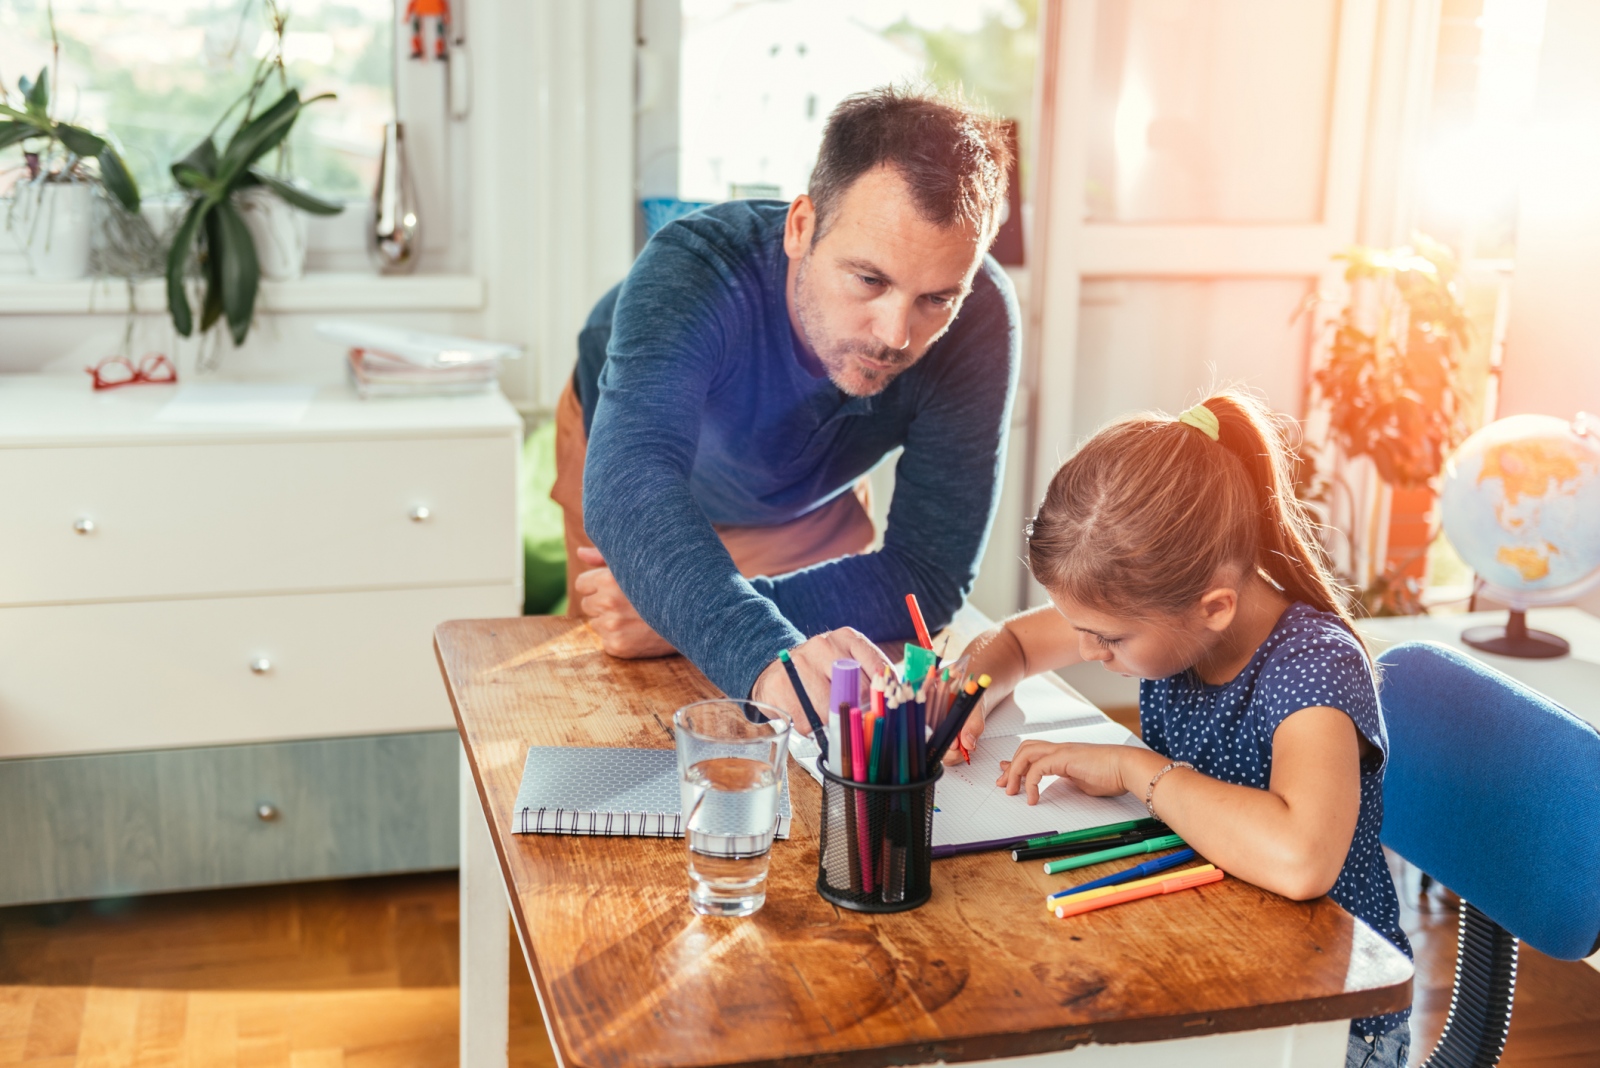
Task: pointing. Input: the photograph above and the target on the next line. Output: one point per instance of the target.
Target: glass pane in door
(1210, 111)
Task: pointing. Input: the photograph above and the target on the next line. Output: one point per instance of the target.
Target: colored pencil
(1169, 885)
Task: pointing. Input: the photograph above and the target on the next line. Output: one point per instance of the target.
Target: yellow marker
(1102, 891)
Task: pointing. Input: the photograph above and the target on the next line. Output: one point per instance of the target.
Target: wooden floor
(363, 973)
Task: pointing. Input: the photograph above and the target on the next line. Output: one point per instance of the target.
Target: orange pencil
(918, 622)
(1165, 886)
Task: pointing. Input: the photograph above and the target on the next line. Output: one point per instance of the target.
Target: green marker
(1110, 830)
(919, 662)
(1154, 845)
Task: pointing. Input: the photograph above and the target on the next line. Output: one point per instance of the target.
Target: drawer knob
(261, 665)
(84, 526)
(267, 812)
(420, 514)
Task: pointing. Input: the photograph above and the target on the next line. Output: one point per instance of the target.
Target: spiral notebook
(607, 792)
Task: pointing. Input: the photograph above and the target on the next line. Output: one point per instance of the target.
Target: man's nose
(892, 327)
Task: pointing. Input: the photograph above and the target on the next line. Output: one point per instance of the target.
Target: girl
(1174, 550)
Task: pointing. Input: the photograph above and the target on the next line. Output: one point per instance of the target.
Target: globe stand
(1515, 639)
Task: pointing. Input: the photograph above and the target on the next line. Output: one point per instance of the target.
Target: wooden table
(627, 975)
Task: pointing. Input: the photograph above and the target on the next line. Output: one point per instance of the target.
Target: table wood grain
(630, 976)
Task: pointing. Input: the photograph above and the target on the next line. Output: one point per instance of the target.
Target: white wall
(1552, 350)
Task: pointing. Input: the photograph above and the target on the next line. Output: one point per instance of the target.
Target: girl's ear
(1218, 606)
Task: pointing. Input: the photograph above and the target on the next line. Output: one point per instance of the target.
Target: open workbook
(969, 807)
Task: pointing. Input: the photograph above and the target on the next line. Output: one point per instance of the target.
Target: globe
(1520, 503)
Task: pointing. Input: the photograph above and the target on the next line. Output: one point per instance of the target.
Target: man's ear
(799, 227)
(1218, 606)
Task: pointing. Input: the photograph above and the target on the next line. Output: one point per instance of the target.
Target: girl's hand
(1094, 769)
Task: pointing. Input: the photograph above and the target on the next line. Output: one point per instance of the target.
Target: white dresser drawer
(134, 521)
(99, 677)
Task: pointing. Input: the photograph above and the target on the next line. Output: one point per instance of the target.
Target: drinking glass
(732, 757)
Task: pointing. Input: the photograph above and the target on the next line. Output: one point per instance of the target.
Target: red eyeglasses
(115, 371)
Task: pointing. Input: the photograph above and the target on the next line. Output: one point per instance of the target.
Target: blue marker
(1138, 871)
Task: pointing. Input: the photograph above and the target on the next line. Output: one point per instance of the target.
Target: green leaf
(118, 182)
(177, 261)
(297, 197)
(196, 170)
(15, 114)
(37, 92)
(238, 269)
(12, 132)
(80, 141)
(258, 137)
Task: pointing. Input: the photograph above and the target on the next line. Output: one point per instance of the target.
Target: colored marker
(1154, 845)
(1169, 885)
(1093, 832)
(918, 623)
(1091, 895)
(1073, 849)
(1138, 871)
(817, 733)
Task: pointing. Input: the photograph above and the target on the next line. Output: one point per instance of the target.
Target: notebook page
(1039, 704)
(969, 807)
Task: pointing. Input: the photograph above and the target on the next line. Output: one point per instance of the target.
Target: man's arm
(947, 484)
(666, 343)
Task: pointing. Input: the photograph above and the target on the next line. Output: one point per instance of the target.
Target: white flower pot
(278, 230)
(52, 222)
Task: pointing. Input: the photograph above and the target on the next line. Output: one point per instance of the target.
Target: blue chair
(1494, 791)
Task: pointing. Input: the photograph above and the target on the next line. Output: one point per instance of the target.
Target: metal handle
(84, 526)
(267, 812)
(261, 665)
(420, 514)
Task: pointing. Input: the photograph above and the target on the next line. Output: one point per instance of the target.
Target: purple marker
(846, 687)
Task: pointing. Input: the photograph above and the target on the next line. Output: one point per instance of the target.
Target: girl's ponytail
(1288, 550)
(1147, 513)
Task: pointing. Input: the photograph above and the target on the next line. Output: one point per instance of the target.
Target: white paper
(238, 404)
(969, 807)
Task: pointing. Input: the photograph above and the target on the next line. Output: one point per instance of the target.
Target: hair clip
(1204, 420)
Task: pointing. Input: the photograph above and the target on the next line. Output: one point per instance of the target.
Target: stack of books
(384, 361)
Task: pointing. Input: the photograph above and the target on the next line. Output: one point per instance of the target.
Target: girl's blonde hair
(1148, 512)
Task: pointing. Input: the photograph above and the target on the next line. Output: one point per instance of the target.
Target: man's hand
(610, 613)
(814, 658)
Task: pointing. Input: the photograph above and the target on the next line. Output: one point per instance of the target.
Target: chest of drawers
(215, 640)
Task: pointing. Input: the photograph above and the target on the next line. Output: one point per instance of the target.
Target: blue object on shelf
(658, 211)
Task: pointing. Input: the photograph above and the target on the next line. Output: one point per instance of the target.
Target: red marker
(917, 621)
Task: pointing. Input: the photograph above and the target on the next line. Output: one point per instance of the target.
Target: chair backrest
(1494, 791)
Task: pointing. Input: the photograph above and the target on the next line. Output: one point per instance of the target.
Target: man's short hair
(954, 156)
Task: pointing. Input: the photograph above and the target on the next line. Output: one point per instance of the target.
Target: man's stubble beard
(834, 356)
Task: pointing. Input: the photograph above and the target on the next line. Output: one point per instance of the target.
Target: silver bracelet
(1150, 791)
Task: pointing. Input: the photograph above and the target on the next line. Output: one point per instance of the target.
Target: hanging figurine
(419, 10)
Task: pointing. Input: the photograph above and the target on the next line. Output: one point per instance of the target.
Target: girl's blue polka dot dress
(1225, 731)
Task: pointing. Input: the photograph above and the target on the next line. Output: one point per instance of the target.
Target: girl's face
(1143, 648)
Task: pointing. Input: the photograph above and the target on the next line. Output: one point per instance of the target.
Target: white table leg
(485, 953)
(1318, 1045)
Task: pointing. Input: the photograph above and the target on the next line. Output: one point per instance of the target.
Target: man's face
(882, 284)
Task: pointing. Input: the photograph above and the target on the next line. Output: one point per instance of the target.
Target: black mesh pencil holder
(876, 853)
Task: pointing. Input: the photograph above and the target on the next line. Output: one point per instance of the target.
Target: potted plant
(52, 206)
(223, 188)
(1388, 392)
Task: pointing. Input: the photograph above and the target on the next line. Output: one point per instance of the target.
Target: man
(757, 362)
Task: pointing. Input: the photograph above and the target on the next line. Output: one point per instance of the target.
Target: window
(758, 79)
(158, 75)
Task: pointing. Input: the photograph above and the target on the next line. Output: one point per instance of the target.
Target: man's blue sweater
(702, 407)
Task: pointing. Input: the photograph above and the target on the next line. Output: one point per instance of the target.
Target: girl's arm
(1028, 643)
(1291, 838)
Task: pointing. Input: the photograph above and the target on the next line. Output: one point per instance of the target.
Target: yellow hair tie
(1204, 420)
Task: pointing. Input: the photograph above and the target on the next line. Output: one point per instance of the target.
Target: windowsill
(316, 292)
